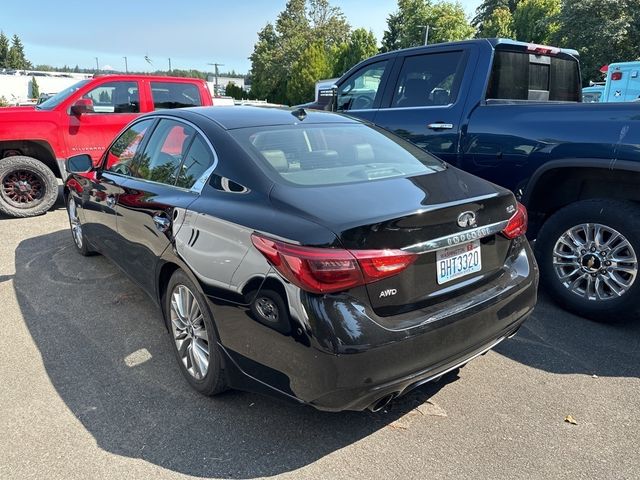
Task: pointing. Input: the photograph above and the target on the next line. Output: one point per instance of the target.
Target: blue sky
(190, 32)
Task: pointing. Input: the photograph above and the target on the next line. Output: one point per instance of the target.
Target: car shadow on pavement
(107, 353)
(557, 341)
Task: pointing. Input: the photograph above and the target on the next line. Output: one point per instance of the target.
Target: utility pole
(169, 65)
(215, 85)
(126, 65)
(426, 33)
(97, 65)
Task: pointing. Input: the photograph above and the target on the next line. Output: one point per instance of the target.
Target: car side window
(359, 92)
(429, 80)
(160, 162)
(123, 151)
(175, 95)
(195, 163)
(115, 97)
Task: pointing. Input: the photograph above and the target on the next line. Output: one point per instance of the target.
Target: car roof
(234, 117)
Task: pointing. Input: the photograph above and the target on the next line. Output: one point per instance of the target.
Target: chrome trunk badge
(467, 219)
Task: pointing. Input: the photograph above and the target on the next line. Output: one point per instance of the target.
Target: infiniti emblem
(467, 219)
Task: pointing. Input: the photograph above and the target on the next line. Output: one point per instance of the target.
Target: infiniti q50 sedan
(305, 254)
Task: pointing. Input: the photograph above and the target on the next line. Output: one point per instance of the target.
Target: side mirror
(83, 105)
(79, 163)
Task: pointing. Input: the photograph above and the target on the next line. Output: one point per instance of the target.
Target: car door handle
(440, 126)
(111, 201)
(161, 222)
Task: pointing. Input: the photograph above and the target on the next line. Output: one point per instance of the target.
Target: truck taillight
(616, 76)
(517, 225)
(326, 270)
(542, 49)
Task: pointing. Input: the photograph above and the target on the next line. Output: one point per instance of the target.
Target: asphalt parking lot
(89, 389)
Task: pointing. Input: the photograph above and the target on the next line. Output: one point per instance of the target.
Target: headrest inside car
(277, 159)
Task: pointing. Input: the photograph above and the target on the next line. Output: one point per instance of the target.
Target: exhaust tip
(381, 402)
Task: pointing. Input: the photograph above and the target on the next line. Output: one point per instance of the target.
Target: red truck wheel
(27, 187)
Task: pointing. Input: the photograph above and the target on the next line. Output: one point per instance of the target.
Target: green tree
(498, 24)
(311, 66)
(447, 21)
(235, 91)
(486, 10)
(361, 45)
(536, 21)
(281, 45)
(35, 88)
(16, 58)
(603, 31)
(4, 50)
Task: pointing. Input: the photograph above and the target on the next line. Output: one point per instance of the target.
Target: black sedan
(305, 254)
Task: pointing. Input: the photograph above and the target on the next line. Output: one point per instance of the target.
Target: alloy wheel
(74, 220)
(595, 262)
(22, 188)
(189, 331)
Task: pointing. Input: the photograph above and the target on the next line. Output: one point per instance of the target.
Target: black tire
(268, 307)
(41, 187)
(621, 216)
(214, 381)
(81, 242)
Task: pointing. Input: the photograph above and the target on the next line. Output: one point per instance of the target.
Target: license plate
(458, 261)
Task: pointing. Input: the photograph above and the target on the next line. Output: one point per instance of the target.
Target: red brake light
(326, 270)
(517, 225)
(616, 76)
(542, 49)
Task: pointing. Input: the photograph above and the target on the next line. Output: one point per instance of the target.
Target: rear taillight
(616, 76)
(326, 270)
(517, 225)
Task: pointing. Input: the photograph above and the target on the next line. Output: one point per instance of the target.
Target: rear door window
(525, 76)
(195, 163)
(429, 80)
(115, 97)
(175, 95)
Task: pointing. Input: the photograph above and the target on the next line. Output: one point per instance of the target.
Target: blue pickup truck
(511, 112)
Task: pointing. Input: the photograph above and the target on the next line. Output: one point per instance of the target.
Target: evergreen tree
(361, 45)
(311, 66)
(280, 46)
(4, 50)
(35, 88)
(16, 58)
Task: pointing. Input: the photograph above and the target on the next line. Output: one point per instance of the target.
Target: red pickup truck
(84, 118)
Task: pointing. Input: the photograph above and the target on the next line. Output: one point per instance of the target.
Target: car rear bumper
(343, 357)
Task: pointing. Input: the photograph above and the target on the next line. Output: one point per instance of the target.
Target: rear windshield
(525, 76)
(314, 155)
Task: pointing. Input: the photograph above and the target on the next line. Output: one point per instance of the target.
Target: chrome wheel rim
(189, 332)
(595, 262)
(74, 220)
(267, 308)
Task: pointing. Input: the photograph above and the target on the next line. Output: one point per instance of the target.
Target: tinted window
(115, 97)
(164, 152)
(360, 90)
(121, 154)
(175, 95)
(333, 154)
(429, 80)
(196, 162)
(523, 76)
(61, 96)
